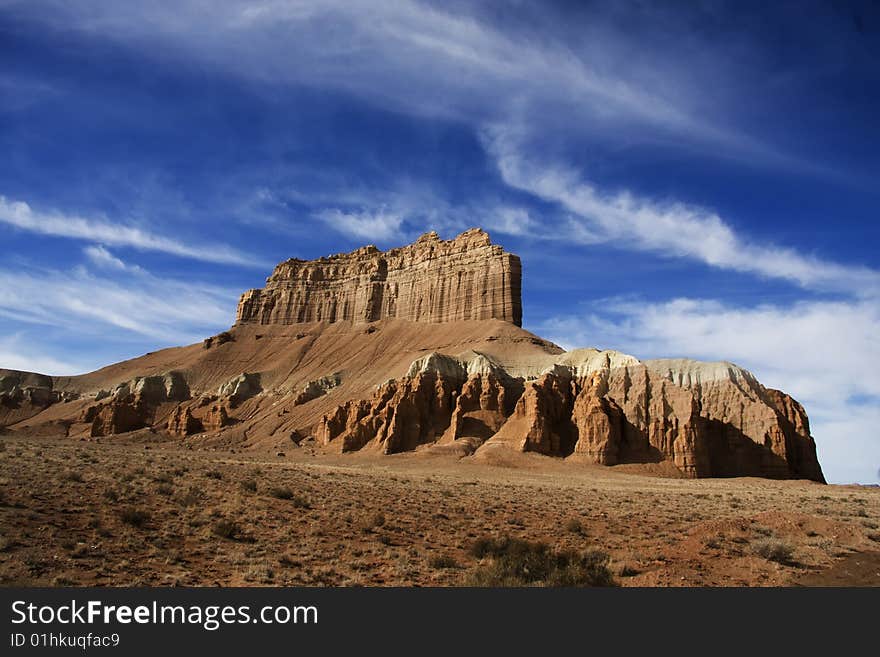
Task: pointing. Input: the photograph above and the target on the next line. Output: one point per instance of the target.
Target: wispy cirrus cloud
(102, 258)
(428, 60)
(134, 303)
(674, 229)
(378, 224)
(19, 353)
(425, 60)
(21, 215)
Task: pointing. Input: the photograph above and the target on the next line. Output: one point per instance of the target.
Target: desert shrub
(249, 485)
(285, 493)
(111, 494)
(301, 502)
(163, 478)
(227, 529)
(515, 562)
(193, 496)
(442, 561)
(373, 521)
(574, 526)
(281, 492)
(482, 547)
(134, 517)
(214, 474)
(164, 489)
(73, 475)
(713, 542)
(773, 549)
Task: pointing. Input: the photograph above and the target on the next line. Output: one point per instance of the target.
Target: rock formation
(709, 419)
(432, 280)
(132, 404)
(317, 388)
(242, 387)
(441, 366)
(24, 394)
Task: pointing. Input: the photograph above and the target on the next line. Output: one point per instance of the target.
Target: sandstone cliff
(709, 419)
(432, 280)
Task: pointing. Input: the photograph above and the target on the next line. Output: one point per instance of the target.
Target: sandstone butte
(421, 349)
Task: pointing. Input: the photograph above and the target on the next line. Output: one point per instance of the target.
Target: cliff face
(432, 280)
(709, 419)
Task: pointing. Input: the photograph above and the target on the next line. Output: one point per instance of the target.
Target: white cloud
(167, 310)
(18, 353)
(418, 58)
(22, 216)
(102, 258)
(380, 224)
(511, 220)
(429, 61)
(826, 354)
(673, 229)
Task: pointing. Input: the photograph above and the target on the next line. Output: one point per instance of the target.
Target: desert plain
(141, 509)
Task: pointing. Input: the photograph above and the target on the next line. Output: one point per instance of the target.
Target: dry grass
(134, 517)
(773, 549)
(515, 562)
(154, 518)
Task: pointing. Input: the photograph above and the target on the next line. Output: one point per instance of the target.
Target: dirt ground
(121, 512)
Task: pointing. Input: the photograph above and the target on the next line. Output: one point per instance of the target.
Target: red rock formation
(481, 409)
(116, 417)
(402, 415)
(182, 422)
(621, 414)
(431, 280)
(599, 422)
(541, 420)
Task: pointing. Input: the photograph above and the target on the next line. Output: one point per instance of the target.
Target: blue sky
(680, 179)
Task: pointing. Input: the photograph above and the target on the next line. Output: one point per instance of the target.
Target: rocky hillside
(419, 349)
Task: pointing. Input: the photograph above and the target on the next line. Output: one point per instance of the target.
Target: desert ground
(143, 510)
